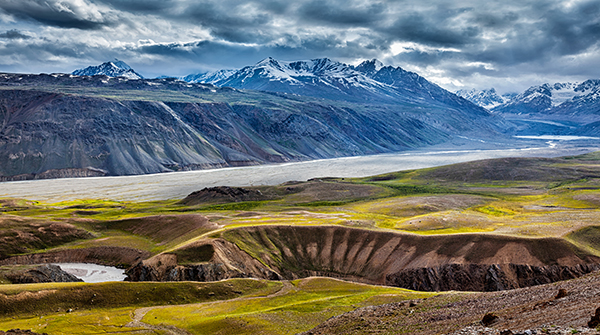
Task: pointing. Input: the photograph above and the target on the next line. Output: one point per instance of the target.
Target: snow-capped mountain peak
(545, 96)
(270, 62)
(370, 67)
(485, 98)
(115, 68)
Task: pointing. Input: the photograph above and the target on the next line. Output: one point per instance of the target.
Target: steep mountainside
(64, 125)
(114, 68)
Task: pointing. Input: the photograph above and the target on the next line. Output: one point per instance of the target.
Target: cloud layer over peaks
(507, 44)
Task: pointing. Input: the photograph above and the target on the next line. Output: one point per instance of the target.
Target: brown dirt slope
(21, 235)
(100, 255)
(373, 254)
(516, 169)
(222, 194)
(534, 308)
(292, 192)
(165, 228)
(328, 190)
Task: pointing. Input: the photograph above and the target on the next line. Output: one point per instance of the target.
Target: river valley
(177, 185)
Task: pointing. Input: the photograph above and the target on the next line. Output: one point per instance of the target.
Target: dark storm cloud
(429, 31)
(231, 21)
(41, 51)
(554, 32)
(495, 20)
(13, 34)
(56, 13)
(208, 51)
(341, 12)
(142, 6)
(574, 31)
(449, 39)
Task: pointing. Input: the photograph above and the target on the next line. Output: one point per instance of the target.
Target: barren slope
(536, 308)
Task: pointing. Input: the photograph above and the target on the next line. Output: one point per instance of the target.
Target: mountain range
(570, 102)
(568, 105)
(547, 109)
(108, 120)
(369, 82)
(63, 125)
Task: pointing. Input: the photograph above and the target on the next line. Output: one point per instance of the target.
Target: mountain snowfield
(485, 98)
(115, 68)
(208, 77)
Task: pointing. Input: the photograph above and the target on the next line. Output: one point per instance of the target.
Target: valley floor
(176, 185)
(325, 249)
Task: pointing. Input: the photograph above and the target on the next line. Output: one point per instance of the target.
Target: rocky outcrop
(46, 273)
(57, 173)
(115, 256)
(483, 277)
(223, 194)
(18, 331)
(205, 261)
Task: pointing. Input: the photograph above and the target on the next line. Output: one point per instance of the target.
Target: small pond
(93, 273)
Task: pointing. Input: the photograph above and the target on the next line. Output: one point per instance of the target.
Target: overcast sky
(508, 44)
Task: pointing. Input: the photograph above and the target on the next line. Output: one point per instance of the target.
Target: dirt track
(139, 313)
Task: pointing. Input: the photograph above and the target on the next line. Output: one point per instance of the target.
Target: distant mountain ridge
(115, 68)
(208, 77)
(369, 82)
(571, 106)
(559, 100)
(549, 109)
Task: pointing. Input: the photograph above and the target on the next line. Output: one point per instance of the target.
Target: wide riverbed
(177, 185)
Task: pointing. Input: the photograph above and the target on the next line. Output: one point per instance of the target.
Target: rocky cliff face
(46, 273)
(484, 277)
(469, 262)
(208, 261)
